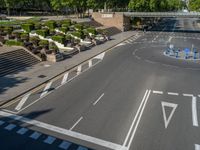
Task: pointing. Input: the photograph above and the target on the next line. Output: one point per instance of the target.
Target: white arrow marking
(166, 104)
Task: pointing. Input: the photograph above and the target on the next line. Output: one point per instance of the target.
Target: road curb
(62, 73)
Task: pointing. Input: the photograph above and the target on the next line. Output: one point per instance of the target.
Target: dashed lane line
(188, 95)
(98, 99)
(172, 93)
(77, 122)
(194, 112)
(158, 92)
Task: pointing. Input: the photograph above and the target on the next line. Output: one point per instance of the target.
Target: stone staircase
(16, 61)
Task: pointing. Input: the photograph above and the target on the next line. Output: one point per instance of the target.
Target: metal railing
(164, 14)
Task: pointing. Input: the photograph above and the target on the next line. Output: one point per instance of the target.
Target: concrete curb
(60, 74)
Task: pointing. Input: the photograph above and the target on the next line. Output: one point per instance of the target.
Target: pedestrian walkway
(17, 84)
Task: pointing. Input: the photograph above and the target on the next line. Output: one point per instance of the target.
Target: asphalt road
(134, 99)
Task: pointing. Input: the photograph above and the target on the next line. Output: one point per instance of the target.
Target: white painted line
(173, 106)
(172, 93)
(79, 69)
(65, 145)
(10, 127)
(158, 92)
(47, 87)
(22, 131)
(100, 56)
(22, 102)
(1, 122)
(62, 131)
(49, 140)
(35, 135)
(138, 120)
(170, 38)
(189, 95)
(76, 123)
(197, 147)
(134, 120)
(82, 148)
(90, 63)
(194, 112)
(98, 99)
(65, 77)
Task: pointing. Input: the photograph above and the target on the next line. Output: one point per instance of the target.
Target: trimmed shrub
(91, 30)
(24, 36)
(8, 30)
(37, 26)
(68, 37)
(78, 27)
(35, 40)
(27, 27)
(43, 32)
(59, 39)
(78, 34)
(66, 22)
(64, 29)
(44, 43)
(14, 43)
(51, 24)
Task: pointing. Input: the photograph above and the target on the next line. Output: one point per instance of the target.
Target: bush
(59, 39)
(92, 30)
(66, 22)
(64, 29)
(37, 26)
(68, 37)
(51, 24)
(78, 34)
(8, 30)
(14, 43)
(43, 32)
(27, 27)
(24, 36)
(44, 43)
(78, 27)
(35, 40)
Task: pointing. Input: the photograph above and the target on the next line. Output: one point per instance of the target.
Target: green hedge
(64, 29)
(43, 43)
(91, 30)
(68, 37)
(14, 43)
(24, 36)
(43, 32)
(66, 22)
(58, 38)
(78, 34)
(27, 27)
(51, 24)
(78, 27)
(8, 30)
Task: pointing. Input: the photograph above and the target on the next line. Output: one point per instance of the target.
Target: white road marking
(100, 56)
(90, 63)
(79, 69)
(194, 112)
(45, 91)
(189, 95)
(10, 127)
(22, 131)
(98, 99)
(172, 93)
(65, 77)
(138, 120)
(173, 106)
(82, 148)
(158, 92)
(121, 44)
(49, 140)
(1, 122)
(170, 38)
(76, 124)
(197, 147)
(64, 145)
(134, 120)
(35, 135)
(22, 102)
(62, 131)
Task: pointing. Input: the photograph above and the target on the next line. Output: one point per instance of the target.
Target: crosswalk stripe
(1, 122)
(22, 131)
(65, 77)
(10, 127)
(65, 145)
(82, 148)
(23, 100)
(35, 135)
(49, 140)
(47, 87)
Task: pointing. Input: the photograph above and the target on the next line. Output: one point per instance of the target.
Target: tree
(194, 5)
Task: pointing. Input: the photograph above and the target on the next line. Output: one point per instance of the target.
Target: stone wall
(117, 20)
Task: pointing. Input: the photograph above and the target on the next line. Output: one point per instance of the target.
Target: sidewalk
(17, 84)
